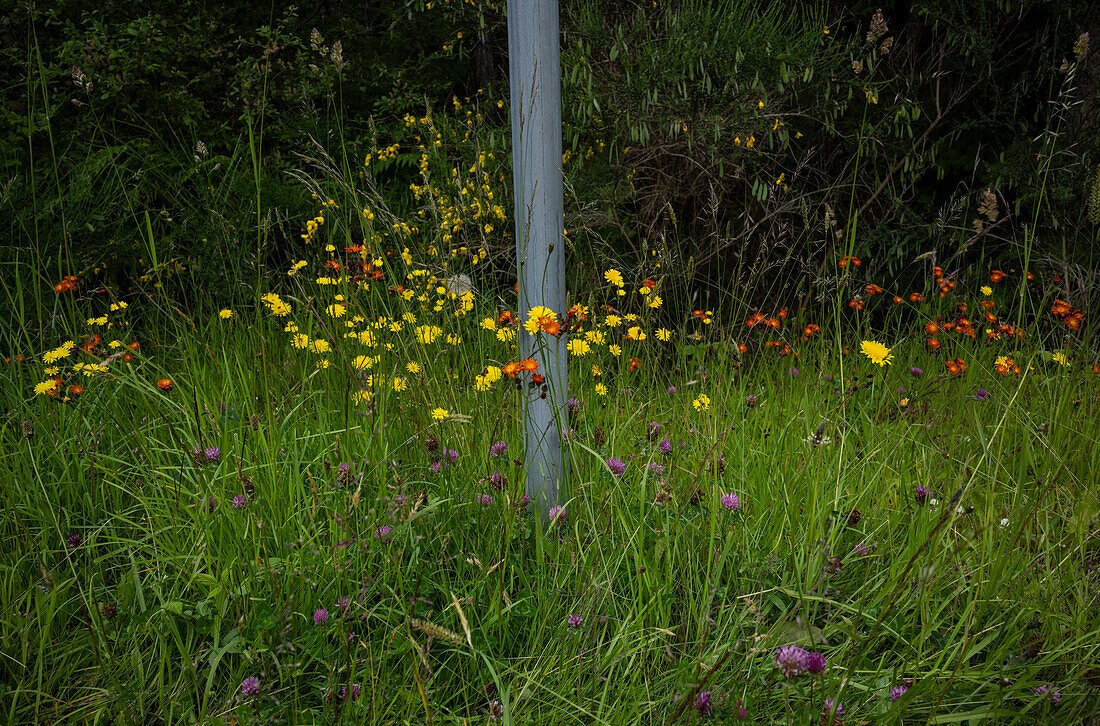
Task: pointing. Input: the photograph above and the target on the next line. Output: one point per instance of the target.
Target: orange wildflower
(782, 314)
(537, 379)
(855, 304)
(931, 328)
(915, 297)
(845, 261)
(75, 390)
(635, 364)
(988, 304)
(165, 384)
(1061, 308)
(67, 284)
(510, 369)
(933, 344)
(898, 300)
(529, 364)
(871, 290)
(772, 323)
(1074, 321)
(956, 367)
(650, 284)
(997, 276)
(751, 322)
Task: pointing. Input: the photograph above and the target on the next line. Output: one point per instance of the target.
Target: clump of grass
(313, 506)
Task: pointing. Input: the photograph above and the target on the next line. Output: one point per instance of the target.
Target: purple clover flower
(731, 502)
(485, 500)
(250, 686)
(497, 480)
(702, 704)
(212, 454)
(916, 372)
(752, 401)
(1048, 691)
(617, 467)
(790, 659)
(354, 692)
(792, 371)
(74, 540)
(556, 513)
(320, 616)
(816, 663)
(921, 494)
(498, 449)
(383, 532)
(980, 395)
(672, 390)
(897, 692)
(656, 469)
(496, 711)
(240, 501)
(665, 447)
(575, 621)
(652, 429)
(833, 713)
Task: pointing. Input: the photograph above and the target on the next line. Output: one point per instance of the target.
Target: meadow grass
(299, 510)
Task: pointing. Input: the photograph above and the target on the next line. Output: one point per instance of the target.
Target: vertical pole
(534, 64)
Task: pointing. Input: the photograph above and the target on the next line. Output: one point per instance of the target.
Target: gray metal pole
(534, 63)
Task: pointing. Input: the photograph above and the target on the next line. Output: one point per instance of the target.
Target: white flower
(933, 502)
(1004, 522)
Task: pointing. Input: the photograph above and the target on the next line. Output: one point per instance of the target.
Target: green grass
(983, 593)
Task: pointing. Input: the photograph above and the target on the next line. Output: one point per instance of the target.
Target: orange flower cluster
(1072, 318)
(527, 365)
(1005, 366)
(67, 284)
(956, 367)
(945, 285)
(871, 290)
(809, 331)
(997, 276)
(845, 261)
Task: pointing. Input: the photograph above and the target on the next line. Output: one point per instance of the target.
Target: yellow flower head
(702, 403)
(601, 389)
(614, 277)
(877, 352)
(275, 304)
(579, 346)
(440, 414)
(987, 290)
(225, 314)
(412, 367)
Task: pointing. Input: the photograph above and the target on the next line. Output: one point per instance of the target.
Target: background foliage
(738, 140)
